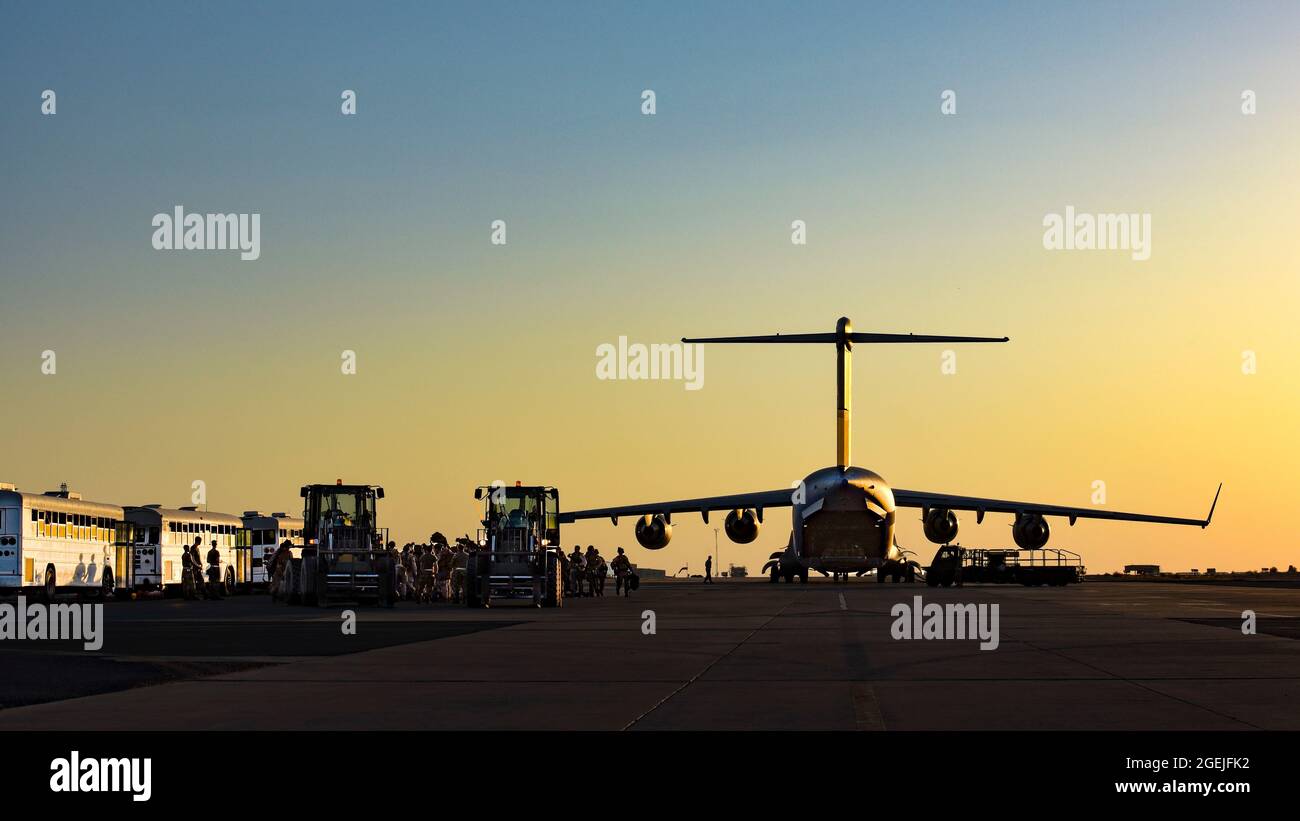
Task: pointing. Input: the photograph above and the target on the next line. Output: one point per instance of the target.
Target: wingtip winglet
(1213, 504)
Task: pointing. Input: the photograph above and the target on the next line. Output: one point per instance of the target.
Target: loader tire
(475, 581)
(553, 582)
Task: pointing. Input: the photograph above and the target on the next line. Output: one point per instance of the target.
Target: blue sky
(375, 227)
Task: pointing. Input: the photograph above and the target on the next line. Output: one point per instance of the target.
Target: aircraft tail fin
(843, 338)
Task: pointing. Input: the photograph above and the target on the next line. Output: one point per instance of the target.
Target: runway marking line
(866, 709)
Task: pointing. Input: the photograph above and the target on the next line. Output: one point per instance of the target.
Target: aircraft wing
(922, 499)
(758, 500)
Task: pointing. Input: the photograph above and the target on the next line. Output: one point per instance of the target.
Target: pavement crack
(707, 667)
(1140, 685)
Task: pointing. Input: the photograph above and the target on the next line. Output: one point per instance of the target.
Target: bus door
(243, 564)
(11, 523)
(124, 560)
(247, 563)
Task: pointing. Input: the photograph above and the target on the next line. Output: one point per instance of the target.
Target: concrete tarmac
(736, 655)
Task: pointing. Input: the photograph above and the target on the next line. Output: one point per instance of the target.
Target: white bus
(56, 541)
(162, 533)
(263, 533)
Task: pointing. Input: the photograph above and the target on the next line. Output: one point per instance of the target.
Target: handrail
(1024, 557)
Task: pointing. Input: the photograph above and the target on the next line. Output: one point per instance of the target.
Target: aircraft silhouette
(843, 516)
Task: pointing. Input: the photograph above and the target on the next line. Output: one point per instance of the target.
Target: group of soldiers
(585, 573)
(192, 573)
(434, 571)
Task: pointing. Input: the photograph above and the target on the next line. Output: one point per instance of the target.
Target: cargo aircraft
(843, 516)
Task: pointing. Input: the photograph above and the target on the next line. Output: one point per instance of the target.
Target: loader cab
(519, 553)
(946, 566)
(522, 514)
(343, 554)
(340, 508)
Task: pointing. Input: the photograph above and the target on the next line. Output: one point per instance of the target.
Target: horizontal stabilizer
(851, 337)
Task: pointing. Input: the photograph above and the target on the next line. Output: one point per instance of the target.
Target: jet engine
(941, 525)
(653, 532)
(1031, 531)
(742, 526)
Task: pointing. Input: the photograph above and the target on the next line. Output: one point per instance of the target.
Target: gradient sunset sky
(477, 362)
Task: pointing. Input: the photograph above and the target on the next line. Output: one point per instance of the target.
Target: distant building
(738, 571)
(649, 573)
(1142, 569)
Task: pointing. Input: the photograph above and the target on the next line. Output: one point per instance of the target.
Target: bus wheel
(228, 587)
(47, 592)
(106, 589)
